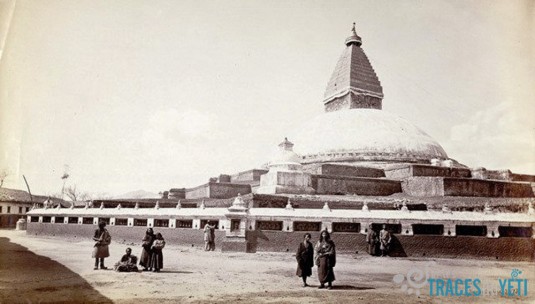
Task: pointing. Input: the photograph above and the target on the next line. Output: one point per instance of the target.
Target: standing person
(325, 259)
(373, 240)
(157, 255)
(101, 250)
(209, 236)
(146, 253)
(305, 259)
(385, 239)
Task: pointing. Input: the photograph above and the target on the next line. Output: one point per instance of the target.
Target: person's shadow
(396, 248)
(30, 278)
(350, 287)
(175, 271)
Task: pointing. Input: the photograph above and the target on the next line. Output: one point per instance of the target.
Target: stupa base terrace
(458, 216)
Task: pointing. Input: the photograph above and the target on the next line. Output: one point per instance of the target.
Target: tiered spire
(353, 84)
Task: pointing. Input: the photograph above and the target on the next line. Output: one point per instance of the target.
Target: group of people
(151, 254)
(378, 243)
(323, 255)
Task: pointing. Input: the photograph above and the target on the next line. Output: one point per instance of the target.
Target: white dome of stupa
(364, 135)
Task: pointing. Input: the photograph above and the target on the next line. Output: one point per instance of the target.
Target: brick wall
(438, 186)
(354, 185)
(331, 169)
(122, 234)
(470, 247)
(9, 220)
(250, 175)
(217, 190)
(423, 186)
(523, 178)
(424, 170)
(198, 192)
(226, 190)
(475, 187)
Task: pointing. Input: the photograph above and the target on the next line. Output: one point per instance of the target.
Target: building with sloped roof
(14, 204)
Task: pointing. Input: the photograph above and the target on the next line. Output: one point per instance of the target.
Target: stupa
(354, 129)
(355, 167)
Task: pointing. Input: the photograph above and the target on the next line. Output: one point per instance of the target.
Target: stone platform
(445, 186)
(333, 184)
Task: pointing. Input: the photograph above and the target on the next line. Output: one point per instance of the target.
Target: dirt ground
(56, 270)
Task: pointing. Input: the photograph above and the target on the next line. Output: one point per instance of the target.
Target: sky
(153, 95)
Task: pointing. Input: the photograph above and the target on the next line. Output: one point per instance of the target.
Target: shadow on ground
(26, 277)
(349, 287)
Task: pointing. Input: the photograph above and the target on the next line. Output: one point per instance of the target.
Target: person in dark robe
(325, 258)
(209, 236)
(157, 255)
(146, 252)
(373, 241)
(385, 239)
(305, 259)
(127, 263)
(100, 250)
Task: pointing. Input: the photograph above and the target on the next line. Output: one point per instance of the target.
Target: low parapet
(217, 190)
(332, 184)
(411, 170)
(248, 176)
(446, 186)
(347, 170)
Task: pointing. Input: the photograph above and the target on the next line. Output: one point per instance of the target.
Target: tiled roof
(14, 195)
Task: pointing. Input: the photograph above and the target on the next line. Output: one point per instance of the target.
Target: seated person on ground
(127, 263)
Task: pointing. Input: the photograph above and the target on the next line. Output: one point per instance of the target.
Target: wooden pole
(27, 186)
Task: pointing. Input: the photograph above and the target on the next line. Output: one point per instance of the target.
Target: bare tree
(54, 195)
(3, 175)
(74, 194)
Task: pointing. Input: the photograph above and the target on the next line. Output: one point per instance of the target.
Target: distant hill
(137, 194)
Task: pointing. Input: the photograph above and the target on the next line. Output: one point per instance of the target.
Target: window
(346, 227)
(8, 209)
(20, 210)
(235, 225)
(184, 223)
(269, 225)
(428, 229)
(104, 219)
(1, 209)
(59, 220)
(27, 209)
(87, 220)
(471, 230)
(34, 219)
(307, 226)
(121, 222)
(47, 219)
(161, 223)
(140, 222)
(515, 231)
(73, 220)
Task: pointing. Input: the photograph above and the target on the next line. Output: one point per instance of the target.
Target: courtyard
(56, 270)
